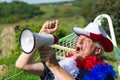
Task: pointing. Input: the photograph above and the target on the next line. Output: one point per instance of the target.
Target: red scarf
(87, 63)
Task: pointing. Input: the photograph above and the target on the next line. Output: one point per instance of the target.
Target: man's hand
(47, 55)
(49, 27)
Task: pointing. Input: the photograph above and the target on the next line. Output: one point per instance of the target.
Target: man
(84, 64)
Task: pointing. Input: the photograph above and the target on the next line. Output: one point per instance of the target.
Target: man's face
(85, 46)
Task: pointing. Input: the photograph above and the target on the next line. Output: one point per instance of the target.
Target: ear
(98, 51)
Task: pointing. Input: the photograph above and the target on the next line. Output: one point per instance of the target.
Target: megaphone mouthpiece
(56, 38)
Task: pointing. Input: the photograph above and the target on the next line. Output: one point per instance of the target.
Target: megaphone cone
(30, 40)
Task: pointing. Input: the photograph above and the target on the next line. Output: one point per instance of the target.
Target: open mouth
(77, 49)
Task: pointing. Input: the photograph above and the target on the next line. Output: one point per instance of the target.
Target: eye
(80, 42)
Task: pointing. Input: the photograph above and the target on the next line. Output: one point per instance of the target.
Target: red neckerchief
(88, 63)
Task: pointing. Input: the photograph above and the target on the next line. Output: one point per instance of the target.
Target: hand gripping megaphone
(30, 40)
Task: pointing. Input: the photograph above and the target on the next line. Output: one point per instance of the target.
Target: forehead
(83, 37)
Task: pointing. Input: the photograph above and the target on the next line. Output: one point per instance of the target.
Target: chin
(77, 56)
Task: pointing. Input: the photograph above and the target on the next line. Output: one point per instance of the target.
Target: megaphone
(30, 40)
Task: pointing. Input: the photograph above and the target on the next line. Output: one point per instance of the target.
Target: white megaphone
(30, 40)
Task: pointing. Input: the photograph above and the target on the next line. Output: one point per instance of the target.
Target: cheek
(85, 46)
(92, 49)
(89, 50)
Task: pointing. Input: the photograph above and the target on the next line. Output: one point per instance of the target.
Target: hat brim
(105, 42)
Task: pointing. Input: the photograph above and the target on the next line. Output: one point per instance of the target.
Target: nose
(79, 45)
(79, 42)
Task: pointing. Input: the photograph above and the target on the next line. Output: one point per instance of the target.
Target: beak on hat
(97, 33)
